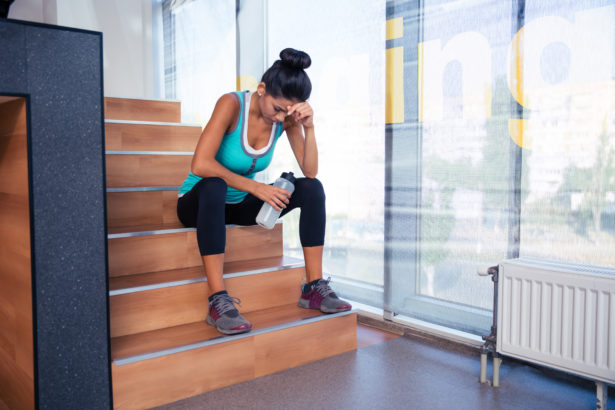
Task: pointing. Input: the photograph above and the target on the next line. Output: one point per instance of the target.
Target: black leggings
(204, 207)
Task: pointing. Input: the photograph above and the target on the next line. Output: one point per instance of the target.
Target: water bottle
(267, 216)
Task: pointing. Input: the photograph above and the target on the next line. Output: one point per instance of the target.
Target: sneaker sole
(210, 321)
(306, 305)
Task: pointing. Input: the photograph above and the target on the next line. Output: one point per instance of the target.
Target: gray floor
(403, 373)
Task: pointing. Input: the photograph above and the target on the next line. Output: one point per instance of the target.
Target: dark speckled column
(60, 71)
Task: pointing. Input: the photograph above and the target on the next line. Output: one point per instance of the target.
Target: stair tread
(145, 228)
(160, 227)
(197, 272)
(183, 335)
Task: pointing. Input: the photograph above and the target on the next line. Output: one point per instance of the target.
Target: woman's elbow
(310, 174)
(200, 169)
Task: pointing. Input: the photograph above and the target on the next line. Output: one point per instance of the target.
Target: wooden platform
(162, 349)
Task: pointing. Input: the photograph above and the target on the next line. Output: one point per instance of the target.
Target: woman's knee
(212, 187)
(310, 188)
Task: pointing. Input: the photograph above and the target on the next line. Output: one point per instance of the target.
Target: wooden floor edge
(225, 339)
(457, 344)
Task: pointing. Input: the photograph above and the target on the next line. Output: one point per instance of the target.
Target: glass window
(507, 148)
(567, 131)
(452, 134)
(345, 41)
(200, 54)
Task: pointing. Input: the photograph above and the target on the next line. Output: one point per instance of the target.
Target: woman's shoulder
(228, 105)
(227, 110)
(231, 99)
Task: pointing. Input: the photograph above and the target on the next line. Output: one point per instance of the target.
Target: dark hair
(287, 78)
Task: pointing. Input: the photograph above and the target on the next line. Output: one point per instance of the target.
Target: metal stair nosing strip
(136, 122)
(289, 264)
(166, 231)
(143, 189)
(223, 339)
(121, 97)
(161, 153)
(147, 233)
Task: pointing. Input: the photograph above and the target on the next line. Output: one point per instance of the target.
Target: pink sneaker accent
(314, 298)
(322, 297)
(244, 326)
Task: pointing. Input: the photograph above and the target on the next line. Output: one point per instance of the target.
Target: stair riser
(141, 208)
(150, 137)
(142, 110)
(153, 253)
(170, 378)
(160, 308)
(125, 171)
(150, 383)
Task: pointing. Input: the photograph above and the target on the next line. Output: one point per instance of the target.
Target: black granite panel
(13, 58)
(68, 191)
(61, 71)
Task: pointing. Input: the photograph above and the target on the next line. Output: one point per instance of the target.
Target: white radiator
(558, 315)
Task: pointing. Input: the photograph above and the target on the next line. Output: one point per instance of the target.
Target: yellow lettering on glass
(394, 106)
(589, 43)
(246, 82)
(394, 101)
(473, 53)
(566, 111)
(395, 28)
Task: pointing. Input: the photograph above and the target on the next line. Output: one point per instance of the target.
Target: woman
(237, 142)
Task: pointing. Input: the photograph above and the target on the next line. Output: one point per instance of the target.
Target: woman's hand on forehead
(302, 113)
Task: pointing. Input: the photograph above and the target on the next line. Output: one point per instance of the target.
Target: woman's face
(273, 109)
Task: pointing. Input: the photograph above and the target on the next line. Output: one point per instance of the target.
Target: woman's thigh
(243, 213)
(207, 197)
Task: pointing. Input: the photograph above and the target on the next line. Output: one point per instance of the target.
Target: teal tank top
(237, 155)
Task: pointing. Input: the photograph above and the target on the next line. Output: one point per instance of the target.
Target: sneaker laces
(323, 288)
(225, 303)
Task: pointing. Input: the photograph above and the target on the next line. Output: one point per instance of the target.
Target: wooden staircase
(161, 347)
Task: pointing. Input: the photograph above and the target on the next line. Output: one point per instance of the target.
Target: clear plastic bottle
(268, 216)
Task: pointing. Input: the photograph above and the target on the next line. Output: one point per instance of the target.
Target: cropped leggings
(204, 207)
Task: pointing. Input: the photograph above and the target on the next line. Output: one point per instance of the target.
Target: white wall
(40, 11)
(127, 37)
(251, 58)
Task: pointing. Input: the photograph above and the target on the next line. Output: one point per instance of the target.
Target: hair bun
(295, 58)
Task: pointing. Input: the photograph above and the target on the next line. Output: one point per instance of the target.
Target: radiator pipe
(490, 340)
(602, 395)
(497, 361)
(483, 367)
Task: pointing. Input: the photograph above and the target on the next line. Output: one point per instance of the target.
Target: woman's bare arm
(204, 162)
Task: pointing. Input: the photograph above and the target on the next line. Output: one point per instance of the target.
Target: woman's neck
(255, 109)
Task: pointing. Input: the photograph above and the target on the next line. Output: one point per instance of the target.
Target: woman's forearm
(212, 168)
(310, 153)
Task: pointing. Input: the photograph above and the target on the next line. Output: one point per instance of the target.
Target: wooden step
(146, 170)
(142, 110)
(131, 208)
(134, 251)
(147, 136)
(166, 306)
(163, 366)
(126, 284)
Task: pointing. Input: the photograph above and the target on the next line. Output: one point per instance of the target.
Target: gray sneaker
(225, 317)
(322, 297)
